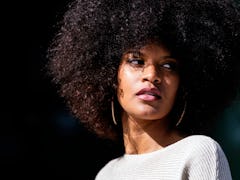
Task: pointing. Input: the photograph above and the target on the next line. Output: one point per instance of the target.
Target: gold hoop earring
(113, 115)
(183, 112)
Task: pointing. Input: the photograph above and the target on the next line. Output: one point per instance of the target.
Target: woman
(154, 75)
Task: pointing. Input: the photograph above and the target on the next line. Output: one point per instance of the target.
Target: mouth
(149, 94)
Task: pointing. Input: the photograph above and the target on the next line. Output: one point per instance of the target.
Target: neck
(143, 136)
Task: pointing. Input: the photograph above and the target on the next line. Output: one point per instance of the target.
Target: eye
(170, 66)
(135, 61)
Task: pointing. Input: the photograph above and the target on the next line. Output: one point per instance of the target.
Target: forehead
(152, 49)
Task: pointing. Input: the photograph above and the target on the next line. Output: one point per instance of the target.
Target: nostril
(152, 80)
(145, 79)
(156, 81)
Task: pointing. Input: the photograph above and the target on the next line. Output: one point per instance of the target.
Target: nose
(152, 74)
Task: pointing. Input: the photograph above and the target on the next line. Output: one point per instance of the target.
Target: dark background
(38, 137)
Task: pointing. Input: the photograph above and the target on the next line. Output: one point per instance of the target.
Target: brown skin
(148, 85)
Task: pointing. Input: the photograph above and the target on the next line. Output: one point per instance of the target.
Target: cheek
(121, 83)
(124, 82)
(172, 84)
(120, 92)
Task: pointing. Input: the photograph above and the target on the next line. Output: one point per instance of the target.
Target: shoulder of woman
(205, 157)
(204, 149)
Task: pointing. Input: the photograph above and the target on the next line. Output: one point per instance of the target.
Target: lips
(149, 94)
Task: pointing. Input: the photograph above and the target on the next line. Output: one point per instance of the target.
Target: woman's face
(148, 81)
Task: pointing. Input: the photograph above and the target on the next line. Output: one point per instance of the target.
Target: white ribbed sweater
(195, 157)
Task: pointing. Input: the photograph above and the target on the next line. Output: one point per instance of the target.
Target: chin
(150, 115)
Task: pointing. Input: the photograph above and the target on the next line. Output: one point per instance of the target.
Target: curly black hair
(204, 35)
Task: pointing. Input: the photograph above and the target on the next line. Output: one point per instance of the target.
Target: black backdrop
(39, 139)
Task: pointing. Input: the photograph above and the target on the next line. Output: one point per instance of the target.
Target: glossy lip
(149, 94)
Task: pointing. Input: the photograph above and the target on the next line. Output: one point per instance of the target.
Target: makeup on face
(149, 80)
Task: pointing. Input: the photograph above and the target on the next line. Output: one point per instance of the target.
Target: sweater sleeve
(208, 162)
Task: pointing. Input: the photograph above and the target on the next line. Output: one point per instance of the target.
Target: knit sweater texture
(195, 157)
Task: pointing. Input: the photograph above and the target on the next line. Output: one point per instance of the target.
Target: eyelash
(139, 63)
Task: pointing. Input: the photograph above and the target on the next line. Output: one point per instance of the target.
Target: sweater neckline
(170, 146)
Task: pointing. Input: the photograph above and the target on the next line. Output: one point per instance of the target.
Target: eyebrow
(141, 54)
(132, 51)
(168, 57)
